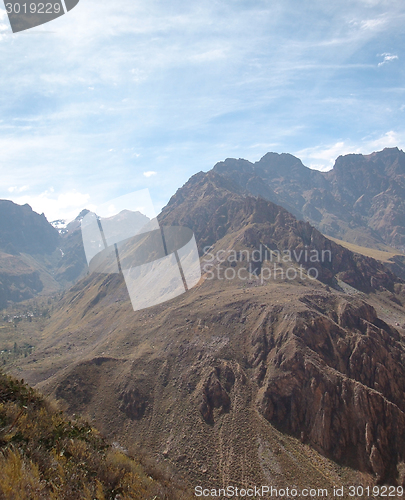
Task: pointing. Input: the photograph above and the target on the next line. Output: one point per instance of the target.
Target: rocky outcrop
(133, 403)
(215, 392)
(335, 377)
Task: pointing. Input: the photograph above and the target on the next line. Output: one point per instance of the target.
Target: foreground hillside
(45, 456)
(243, 384)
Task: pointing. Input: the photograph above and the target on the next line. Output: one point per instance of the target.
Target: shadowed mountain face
(34, 257)
(361, 200)
(18, 280)
(24, 231)
(24, 235)
(235, 378)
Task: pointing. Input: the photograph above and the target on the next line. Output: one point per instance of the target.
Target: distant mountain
(41, 257)
(361, 200)
(72, 263)
(24, 231)
(27, 243)
(35, 256)
(60, 225)
(235, 378)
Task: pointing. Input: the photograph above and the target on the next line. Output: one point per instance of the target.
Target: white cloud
(65, 205)
(150, 173)
(208, 56)
(373, 24)
(390, 139)
(15, 189)
(387, 58)
(323, 157)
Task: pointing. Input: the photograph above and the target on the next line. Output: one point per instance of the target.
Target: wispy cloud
(150, 173)
(16, 189)
(387, 58)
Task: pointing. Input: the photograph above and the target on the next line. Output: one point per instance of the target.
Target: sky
(115, 97)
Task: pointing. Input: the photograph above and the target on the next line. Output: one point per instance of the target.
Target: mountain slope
(18, 280)
(34, 257)
(24, 231)
(212, 206)
(212, 383)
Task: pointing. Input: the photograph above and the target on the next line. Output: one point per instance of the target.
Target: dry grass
(45, 456)
(381, 255)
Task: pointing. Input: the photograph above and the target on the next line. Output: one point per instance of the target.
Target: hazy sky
(122, 95)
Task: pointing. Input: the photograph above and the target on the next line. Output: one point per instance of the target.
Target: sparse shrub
(44, 455)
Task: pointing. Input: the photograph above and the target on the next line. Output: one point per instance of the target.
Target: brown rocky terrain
(361, 200)
(18, 280)
(213, 208)
(225, 373)
(243, 381)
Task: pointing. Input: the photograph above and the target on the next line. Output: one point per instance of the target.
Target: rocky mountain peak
(361, 200)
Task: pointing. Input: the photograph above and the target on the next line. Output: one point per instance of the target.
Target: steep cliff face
(334, 375)
(361, 200)
(372, 189)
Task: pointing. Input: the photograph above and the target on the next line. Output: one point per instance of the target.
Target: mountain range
(35, 258)
(260, 374)
(361, 200)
